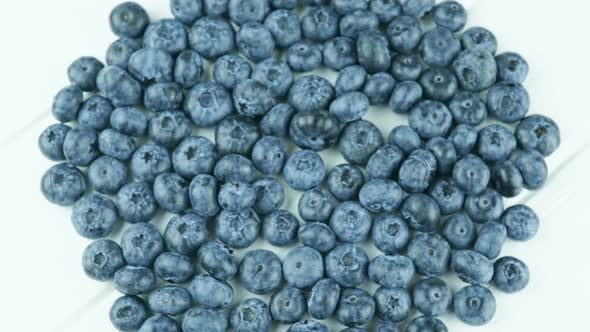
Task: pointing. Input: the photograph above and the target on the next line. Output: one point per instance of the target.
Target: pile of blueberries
(430, 197)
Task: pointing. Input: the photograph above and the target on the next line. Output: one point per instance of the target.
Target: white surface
(44, 288)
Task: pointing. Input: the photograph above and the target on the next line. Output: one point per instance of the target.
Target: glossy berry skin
(430, 253)
(151, 64)
(218, 260)
(120, 51)
(269, 155)
(480, 39)
(418, 8)
(405, 138)
(244, 11)
(393, 304)
(252, 98)
(351, 222)
(451, 15)
(345, 181)
(445, 153)
(352, 24)
(212, 37)
(94, 216)
(385, 162)
(141, 244)
(303, 267)
(439, 83)
(522, 223)
(261, 271)
(474, 305)
(236, 134)
(129, 19)
(468, 108)
(251, 315)
(511, 275)
(284, 26)
(308, 326)
(507, 179)
(311, 93)
(119, 86)
(350, 79)
(314, 130)
(63, 184)
(81, 146)
(372, 48)
(234, 167)
(385, 10)
(417, 171)
(174, 268)
(133, 280)
(447, 196)
(170, 300)
(485, 206)
(117, 145)
(512, 67)
(255, 42)
(204, 320)
(276, 121)
(149, 161)
(425, 323)
(431, 119)
(66, 103)
(230, 69)
(421, 212)
(203, 191)
(347, 265)
(236, 196)
(210, 292)
(381, 195)
(193, 156)
(471, 175)
(304, 56)
(323, 299)
(355, 308)
(280, 228)
(186, 11)
(107, 175)
(532, 167)
(392, 271)
(129, 121)
(51, 141)
(317, 235)
(475, 69)
(464, 138)
(320, 23)
(350, 107)
(316, 204)
(128, 313)
(490, 239)
(508, 101)
(95, 113)
(432, 297)
(101, 259)
(439, 47)
(270, 195)
(459, 231)
(238, 229)
(339, 52)
(390, 233)
(159, 323)
(185, 234)
(171, 192)
(163, 96)
(538, 132)
(359, 140)
(83, 73)
(472, 267)
(404, 34)
(304, 170)
(406, 67)
(169, 35)
(288, 305)
(378, 88)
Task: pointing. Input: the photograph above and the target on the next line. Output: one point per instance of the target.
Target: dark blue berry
(95, 216)
(230, 69)
(84, 71)
(101, 259)
(474, 305)
(421, 212)
(107, 175)
(511, 275)
(51, 141)
(430, 253)
(355, 308)
(304, 170)
(237, 229)
(134, 280)
(459, 231)
(236, 134)
(359, 140)
(202, 192)
(136, 203)
(129, 19)
(323, 299)
(279, 228)
(128, 313)
(207, 104)
(141, 244)
(255, 41)
(212, 37)
(417, 171)
(169, 35)
(432, 297)
(538, 132)
(490, 239)
(171, 192)
(392, 271)
(261, 271)
(318, 236)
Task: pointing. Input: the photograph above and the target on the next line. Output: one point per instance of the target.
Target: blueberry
(430, 253)
(141, 244)
(314, 130)
(134, 280)
(186, 11)
(451, 15)
(538, 132)
(255, 42)
(354, 329)
(404, 34)
(490, 239)
(193, 156)
(431, 119)
(379, 88)
(508, 101)
(269, 155)
(288, 305)
(421, 212)
(390, 233)
(151, 64)
(168, 35)
(405, 138)
(347, 265)
(345, 182)
(381, 195)
(51, 141)
(171, 192)
(159, 323)
(83, 73)
(311, 93)
(385, 325)
(507, 179)
(405, 96)
(276, 122)
(392, 271)
(350, 79)
(424, 323)
(276, 75)
(511, 275)
(339, 52)
(532, 167)
(188, 69)
(204, 320)
(350, 107)
(485, 206)
(512, 67)
(136, 203)
(385, 162)
(344, 7)
(94, 216)
(352, 24)
(236, 196)
(237, 229)
(304, 56)
(480, 39)
(261, 271)
(359, 140)
(417, 171)
(246, 11)
(185, 234)
(212, 37)
(474, 305)
(251, 315)
(285, 27)
(386, 10)
(210, 292)
(445, 153)
(202, 192)
(284, 4)
(464, 138)
(174, 267)
(101, 259)
(418, 8)
(355, 308)
(252, 98)
(234, 167)
(459, 231)
(149, 161)
(117, 145)
(270, 195)
(308, 326)
(472, 267)
(95, 113)
(323, 299)
(447, 196)
(63, 184)
(317, 235)
(406, 67)
(107, 175)
(129, 19)
(372, 48)
(81, 146)
(216, 7)
(128, 313)
(303, 267)
(120, 51)
(351, 222)
(439, 47)
(432, 297)
(320, 23)
(170, 300)
(468, 108)
(393, 304)
(163, 96)
(439, 83)
(129, 121)
(522, 223)
(316, 204)
(304, 170)
(218, 260)
(208, 104)
(66, 103)
(279, 228)
(475, 69)
(471, 175)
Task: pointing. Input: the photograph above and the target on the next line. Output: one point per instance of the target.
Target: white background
(42, 285)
